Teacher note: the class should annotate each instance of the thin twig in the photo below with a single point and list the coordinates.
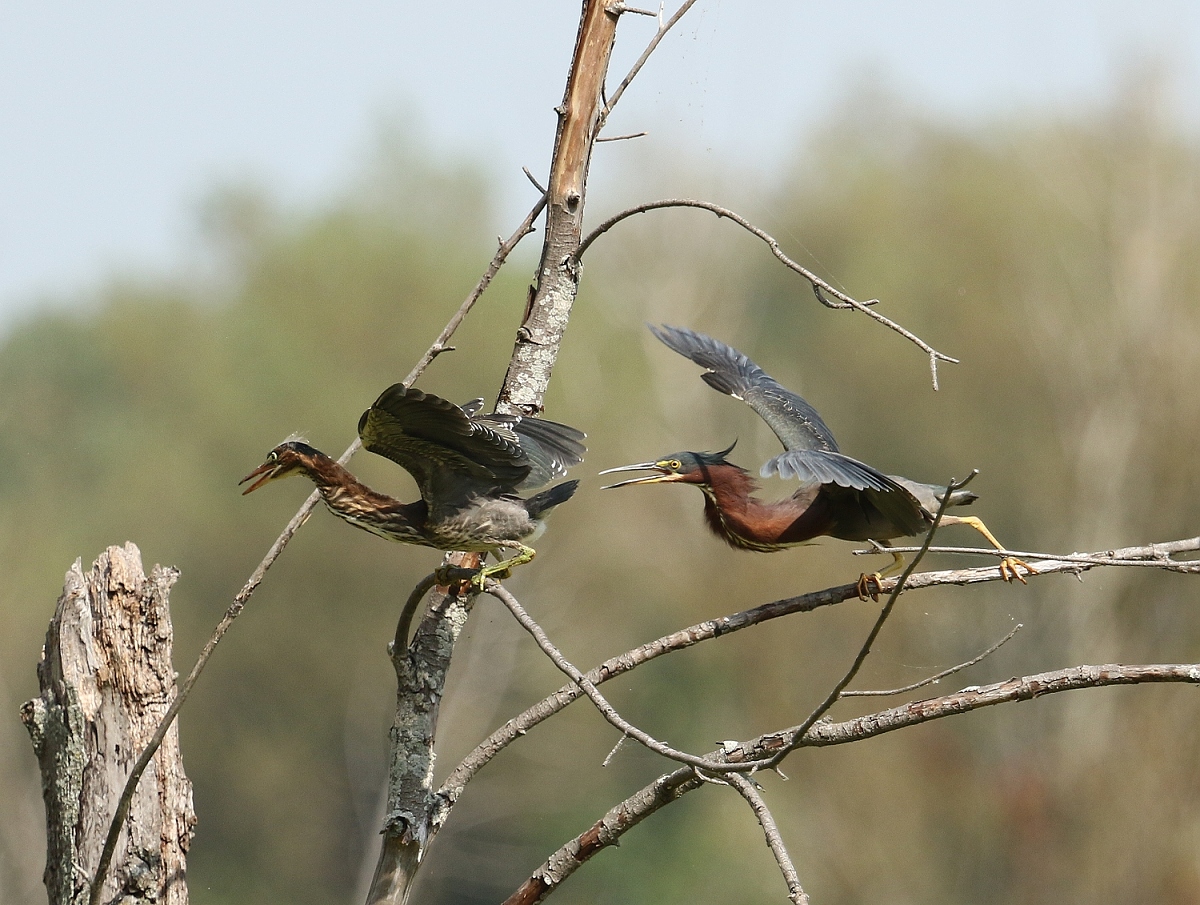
(301, 516)
(663, 28)
(933, 680)
(623, 137)
(820, 287)
(537, 185)
(615, 749)
(1155, 556)
(834, 695)
(748, 791)
(622, 8)
(606, 709)
(973, 697)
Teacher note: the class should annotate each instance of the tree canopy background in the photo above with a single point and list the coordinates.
(1055, 257)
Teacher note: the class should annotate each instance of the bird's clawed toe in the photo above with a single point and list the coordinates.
(1010, 568)
(870, 586)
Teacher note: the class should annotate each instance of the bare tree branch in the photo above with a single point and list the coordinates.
(671, 786)
(865, 650)
(663, 28)
(973, 697)
(749, 791)
(606, 709)
(933, 680)
(622, 137)
(820, 287)
(1154, 556)
(604, 832)
(519, 725)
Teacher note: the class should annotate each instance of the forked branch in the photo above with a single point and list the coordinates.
(749, 791)
(672, 786)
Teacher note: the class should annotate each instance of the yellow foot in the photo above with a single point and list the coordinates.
(499, 572)
(1010, 566)
(870, 586)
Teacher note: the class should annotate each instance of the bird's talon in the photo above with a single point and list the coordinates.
(1010, 568)
(865, 583)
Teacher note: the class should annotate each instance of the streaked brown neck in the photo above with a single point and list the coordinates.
(355, 502)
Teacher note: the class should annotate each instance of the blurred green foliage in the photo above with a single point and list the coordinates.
(1056, 258)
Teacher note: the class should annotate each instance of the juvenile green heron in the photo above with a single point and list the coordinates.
(838, 496)
(468, 467)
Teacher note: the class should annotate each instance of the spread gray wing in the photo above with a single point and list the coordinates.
(885, 507)
(794, 421)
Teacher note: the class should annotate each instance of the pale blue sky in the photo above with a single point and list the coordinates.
(118, 117)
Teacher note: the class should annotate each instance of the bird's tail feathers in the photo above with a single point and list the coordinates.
(541, 503)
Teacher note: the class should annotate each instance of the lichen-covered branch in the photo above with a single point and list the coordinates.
(557, 280)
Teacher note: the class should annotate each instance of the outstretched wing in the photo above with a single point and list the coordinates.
(867, 503)
(451, 456)
(794, 421)
(550, 448)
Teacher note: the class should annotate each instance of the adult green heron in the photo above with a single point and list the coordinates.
(468, 467)
(838, 496)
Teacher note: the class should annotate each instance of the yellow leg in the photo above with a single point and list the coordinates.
(1010, 565)
(502, 570)
(866, 581)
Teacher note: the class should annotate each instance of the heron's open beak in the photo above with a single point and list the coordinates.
(661, 475)
(268, 471)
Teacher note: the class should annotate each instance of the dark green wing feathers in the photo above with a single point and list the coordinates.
(454, 454)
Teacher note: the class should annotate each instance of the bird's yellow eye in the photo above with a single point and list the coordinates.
(273, 457)
(674, 465)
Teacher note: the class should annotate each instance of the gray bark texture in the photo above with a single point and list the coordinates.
(106, 679)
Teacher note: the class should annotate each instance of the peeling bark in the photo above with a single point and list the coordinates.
(106, 680)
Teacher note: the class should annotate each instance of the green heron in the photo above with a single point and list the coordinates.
(468, 467)
(838, 496)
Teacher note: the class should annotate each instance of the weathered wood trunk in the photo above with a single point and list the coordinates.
(106, 680)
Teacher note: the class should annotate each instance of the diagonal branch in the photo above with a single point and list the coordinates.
(754, 798)
(865, 651)
(606, 831)
(934, 679)
(663, 28)
(820, 287)
(606, 709)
